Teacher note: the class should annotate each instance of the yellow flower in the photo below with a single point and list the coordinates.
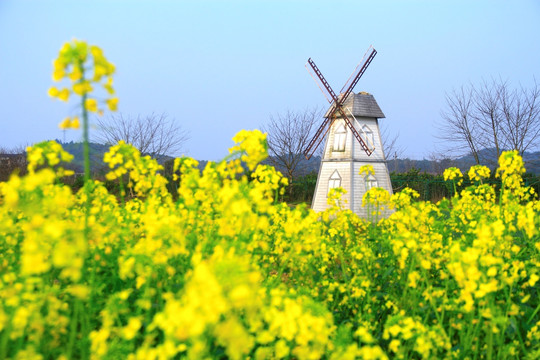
(76, 74)
(108, 85)
(282, 350)
(511, 167)
(76, 59)
(478, 172)
(404, 198)
(413, 278)
(378, 198)
(112, 103)
(63, 94)
(70, 123)
(394, 345)
(75, 124)
(96, 51)
(426, 264)
(79, 291)
(53, 91)
(65, 124)
(58, 72)
(252, 145)
(91, 105)
(131, 329)
(99, 72)
(367, 170)
(82, 88)
(453, 173)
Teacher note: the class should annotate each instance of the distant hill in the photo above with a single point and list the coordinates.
(97, 151)
(487, 157)
(304, 167)
(96, 156)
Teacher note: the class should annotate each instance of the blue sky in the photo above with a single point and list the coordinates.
(217, 67)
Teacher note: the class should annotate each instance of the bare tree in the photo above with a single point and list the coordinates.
(460, 129)
(288, 135)
(487, 114)
(520, 112)
(492, 117)
(156, 135)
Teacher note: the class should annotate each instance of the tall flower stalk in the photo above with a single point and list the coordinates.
(83, 66)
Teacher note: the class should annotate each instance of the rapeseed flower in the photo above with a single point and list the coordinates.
(367, 170)
(91, 105)
(453, 173)
(70, 123)
(478, 172)
(211, 265)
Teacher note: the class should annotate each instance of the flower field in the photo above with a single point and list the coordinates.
(225, 271)
(221, 269)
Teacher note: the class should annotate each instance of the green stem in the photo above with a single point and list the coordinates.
(73, 329)
(86, 145)
(4, 341)
(277, 279)
(490, 342)
(534, 313)
(122, 191)
(344, 272)
(86, 154)
(472, 333)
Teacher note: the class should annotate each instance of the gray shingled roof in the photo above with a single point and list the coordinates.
(363, 104)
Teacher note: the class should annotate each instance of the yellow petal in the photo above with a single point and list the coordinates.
(113, 103)
(65, 124)
(63, 94)
(75, 124)
(91, 105)
(58, 74)
(53, 92)
(76, 74)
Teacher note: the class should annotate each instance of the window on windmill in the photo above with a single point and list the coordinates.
(371, 182)
(367, 136)
(334, 181)
(340, 135)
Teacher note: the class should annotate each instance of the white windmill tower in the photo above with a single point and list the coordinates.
(353, 140)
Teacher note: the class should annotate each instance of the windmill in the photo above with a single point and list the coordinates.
(351, 119)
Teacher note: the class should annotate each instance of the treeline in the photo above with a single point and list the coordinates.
(431, 187)
(424, 176)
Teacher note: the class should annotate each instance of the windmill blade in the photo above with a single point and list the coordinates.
(337, 102)
(329, 94)
(317, 138)
(370, 144)
(358, 72)
(326, 89)
(354, 131)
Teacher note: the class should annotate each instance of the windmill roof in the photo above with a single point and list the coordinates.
(362, 104)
